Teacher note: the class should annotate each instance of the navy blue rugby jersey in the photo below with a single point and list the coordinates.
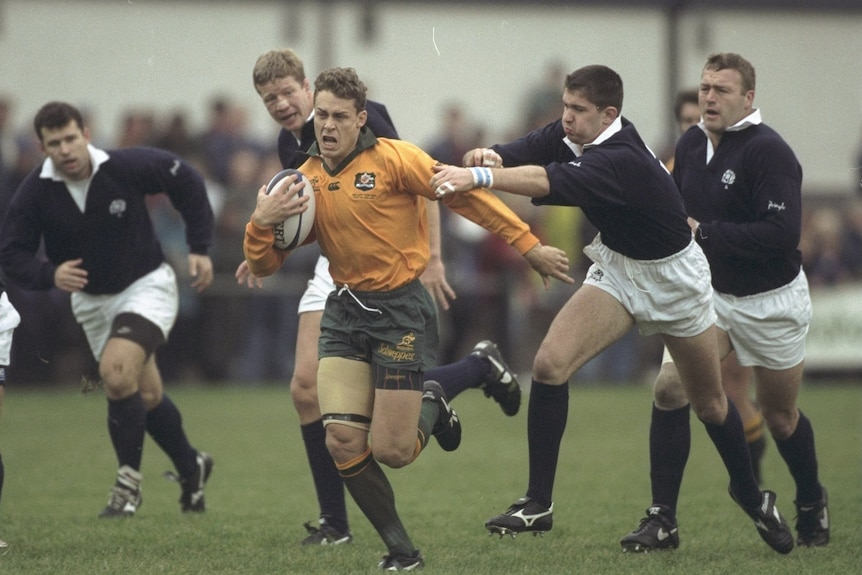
(292, 153)
(748, 200)
(622, 188)
(114, 235)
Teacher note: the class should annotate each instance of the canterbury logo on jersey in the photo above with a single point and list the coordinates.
(365, 181)
(334, 186)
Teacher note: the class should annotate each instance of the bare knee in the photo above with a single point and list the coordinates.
(668, 392)
(781, 422)
(393, 455)
(548, 368)
(712, 410)
(119, 378)
(152, 398)
(345, 443)
(303, 393)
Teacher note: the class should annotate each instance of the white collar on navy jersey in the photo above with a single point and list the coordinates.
(615, 127)
(97, 158)
(753, 119)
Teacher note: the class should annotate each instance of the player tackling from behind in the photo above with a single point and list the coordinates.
(88, 207)
(379, 328)
(280, 81)
(647, 271)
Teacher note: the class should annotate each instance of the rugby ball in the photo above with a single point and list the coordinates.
(290, 233)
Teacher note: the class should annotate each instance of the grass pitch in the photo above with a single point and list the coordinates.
(59, 467)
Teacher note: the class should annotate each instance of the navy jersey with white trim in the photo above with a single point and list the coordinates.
(114, 236)
(748, 200)
(622, 188)
(292, 153)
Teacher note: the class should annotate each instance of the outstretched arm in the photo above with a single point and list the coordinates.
(530, 181)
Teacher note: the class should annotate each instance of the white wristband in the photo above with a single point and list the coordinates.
(482, 177)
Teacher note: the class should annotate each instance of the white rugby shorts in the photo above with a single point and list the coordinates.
(154, 296)
(319, 288)
(672, 295)
(9, 320)
(768, 329)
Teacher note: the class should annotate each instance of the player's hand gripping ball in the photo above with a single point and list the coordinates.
(292, 232)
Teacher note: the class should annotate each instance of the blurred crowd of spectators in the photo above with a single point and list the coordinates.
(232, 334)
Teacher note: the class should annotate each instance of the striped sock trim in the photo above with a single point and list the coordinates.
(356, 465)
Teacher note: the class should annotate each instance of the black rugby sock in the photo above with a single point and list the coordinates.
(327, 482)
(126, 426)
(547, 415)
(165, 426)
(669, 447)
(373, 494)
(729, 439)
(799, 454)
(464, 374)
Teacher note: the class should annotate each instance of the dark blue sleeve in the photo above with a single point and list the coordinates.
(184, 186)
(20, 238)
(540, 147)
(287, 148)
(774, 179)
(379, 121)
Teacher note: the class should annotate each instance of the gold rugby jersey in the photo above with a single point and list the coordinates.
(370, 217)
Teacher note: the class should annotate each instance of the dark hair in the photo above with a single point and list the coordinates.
(731, 61)
(56, 115)
(684, 97)
(343, 83)
(598, 84)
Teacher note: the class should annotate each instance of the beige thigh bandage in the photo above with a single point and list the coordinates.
(345, 392)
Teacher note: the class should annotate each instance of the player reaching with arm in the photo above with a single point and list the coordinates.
(379, 328)
(647, 271)
(280, 81)
(88, 206)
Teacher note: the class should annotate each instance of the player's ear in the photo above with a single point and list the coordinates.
(362, 117)
(609, 114)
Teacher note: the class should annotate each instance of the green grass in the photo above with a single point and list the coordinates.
(59, 466)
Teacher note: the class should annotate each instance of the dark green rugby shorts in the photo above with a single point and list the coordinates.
(395, 331)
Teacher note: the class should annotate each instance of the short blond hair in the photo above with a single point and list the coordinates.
(278, 64)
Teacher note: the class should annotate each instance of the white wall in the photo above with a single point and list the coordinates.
(113, 55)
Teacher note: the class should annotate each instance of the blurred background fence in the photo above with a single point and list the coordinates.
(177, 74)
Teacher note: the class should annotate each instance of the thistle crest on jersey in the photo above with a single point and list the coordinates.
(117, 208)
